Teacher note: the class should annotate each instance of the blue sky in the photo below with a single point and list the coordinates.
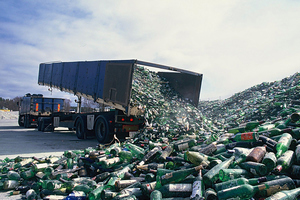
(235, 44)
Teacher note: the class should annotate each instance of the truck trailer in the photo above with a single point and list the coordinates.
(108, 82)
(34, 106)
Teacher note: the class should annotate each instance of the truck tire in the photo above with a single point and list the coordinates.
(42, 125)
(26, 121)
(102, 130)
(39, 124)
(80, 128)
(20, 120)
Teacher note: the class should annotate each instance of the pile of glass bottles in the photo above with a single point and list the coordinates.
(245, 147)
(166, 113)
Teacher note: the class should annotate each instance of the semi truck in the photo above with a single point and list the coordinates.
(109, 83)
(34, 106)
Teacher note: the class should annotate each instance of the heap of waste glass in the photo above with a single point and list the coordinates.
(241, 148)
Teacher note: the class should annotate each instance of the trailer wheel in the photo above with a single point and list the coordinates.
(42, 125)
(102, 130)
(80, 128)
(39, 124)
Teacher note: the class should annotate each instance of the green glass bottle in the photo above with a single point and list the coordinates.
(149, 166)
(265, 127)
(120, 173)
(53, 185)
(242, 192)
(248, 191)
(69, 185)
(198, 187)
(28, 174)
(283, 144)
(108, 150)
(240, 155)
(249, 137)
(152, 154)
(12, 175)
(178, 175)
(70, 163)
(126, 156)
(135, 150)
(252, 125)
(196, 158)
(95, 194)
(211, 138)
(10, 184)
(101, 177)
(156, 195)
(147, 188)
(270, 143)
(176, 190)
(296, 133)
(213, 174)
(257, 169)
(284, 161)
(83, 187)
(24, 162)
(297, 153)
(277, 185)
(156, 144)
(31, 195)
(209, 149)
(149, 177)
(237, 130)
(40, 167)
(165, 153)
(105, 194)
(285, 195)
(115, 151)
(274, 132)
(270, 161)
(283, 123)
(242, 181)
(227, 174)
(185, 144)
(109, 163)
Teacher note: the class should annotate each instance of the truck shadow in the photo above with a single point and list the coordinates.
(11, 127)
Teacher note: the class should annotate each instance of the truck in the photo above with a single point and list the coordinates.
(109, 83)
(34, 106)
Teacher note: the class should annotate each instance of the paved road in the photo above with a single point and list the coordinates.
(17, 141)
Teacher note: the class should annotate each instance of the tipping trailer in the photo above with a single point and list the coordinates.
(108, 82)
(34, 106)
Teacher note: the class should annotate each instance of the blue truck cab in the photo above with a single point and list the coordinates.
(34, 106)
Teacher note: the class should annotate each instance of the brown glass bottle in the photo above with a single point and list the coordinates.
(257, 154)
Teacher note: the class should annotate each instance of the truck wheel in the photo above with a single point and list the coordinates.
(102, 131)
(42, 125)
(26, 122)
(39, 125)
(80, 128)
(20, 121)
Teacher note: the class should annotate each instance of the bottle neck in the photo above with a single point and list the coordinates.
(255, 181)
(279, 153)
(278, 168)
(260, 187)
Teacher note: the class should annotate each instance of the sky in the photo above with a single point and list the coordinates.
(235, 44)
